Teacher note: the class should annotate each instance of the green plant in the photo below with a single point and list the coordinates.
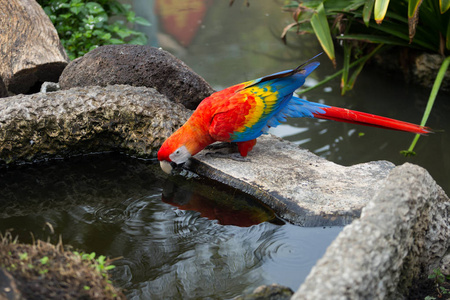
(84, 25)
(433, 94)
(440, 280)
(44, 260)
(423, 25)
(417, 24)
(101, 264)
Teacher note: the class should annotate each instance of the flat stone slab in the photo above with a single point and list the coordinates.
(300, 186)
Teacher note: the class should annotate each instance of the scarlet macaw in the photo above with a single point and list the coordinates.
(243, 112)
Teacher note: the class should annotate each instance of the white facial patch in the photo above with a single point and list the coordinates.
(181, 155)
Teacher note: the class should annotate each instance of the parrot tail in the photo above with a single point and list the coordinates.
(356, 117)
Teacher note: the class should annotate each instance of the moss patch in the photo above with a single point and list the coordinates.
(46, 271)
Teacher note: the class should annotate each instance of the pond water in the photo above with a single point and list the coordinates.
(178, 238)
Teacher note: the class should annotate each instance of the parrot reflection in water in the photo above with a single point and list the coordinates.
(241, 113)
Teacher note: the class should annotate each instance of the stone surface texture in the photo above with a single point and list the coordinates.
(137, 66)
(300, 186)
(404, 230)
(134, 120)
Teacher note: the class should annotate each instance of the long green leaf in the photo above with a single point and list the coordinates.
(380, 10)
(367, 11)
(346, 67)
(321, 28)
(394, 30)
(413, 7)
(434, 91)
(413, 17)
(375, 39)
(444, 5)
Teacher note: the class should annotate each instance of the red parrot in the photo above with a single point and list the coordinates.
(243, 112)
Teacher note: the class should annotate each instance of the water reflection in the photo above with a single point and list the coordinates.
(113, 205)
(227, 206)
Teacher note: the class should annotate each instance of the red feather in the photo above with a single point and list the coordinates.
(357, 117)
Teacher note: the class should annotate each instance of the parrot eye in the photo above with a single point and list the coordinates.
(181, 155)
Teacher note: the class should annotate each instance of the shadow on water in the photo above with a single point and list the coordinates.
(178, 238)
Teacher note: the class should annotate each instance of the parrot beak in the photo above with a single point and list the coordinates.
(167, 167)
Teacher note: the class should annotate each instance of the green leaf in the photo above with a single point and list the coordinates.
(321, 28)
(123, 33)
(139, 40)
(131, 16)
(106, 36)
(367, 11)
(76, 9)
(94, 8)
(346, 67)
(44, 260)
(380, 10)
(444, 5)
(101, 259)
(142, 21)
(116, 42)
(434, 91)
(376, 39)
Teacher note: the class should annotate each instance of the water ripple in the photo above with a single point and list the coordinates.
(111, 215)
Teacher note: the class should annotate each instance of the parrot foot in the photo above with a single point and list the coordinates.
(221, 145)
(233, 156)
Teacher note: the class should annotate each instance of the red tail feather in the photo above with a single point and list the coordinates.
(356, 117)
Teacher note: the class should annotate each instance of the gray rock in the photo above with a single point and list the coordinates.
(403, 230)
(425, 69)
(300, 186)
(84, 120)
(48, 86)
(137, 66)
(268, 292)
(8, 286)
(445, 265)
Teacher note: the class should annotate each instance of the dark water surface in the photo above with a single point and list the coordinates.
(179, 238)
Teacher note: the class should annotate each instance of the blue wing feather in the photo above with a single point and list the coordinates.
(283, 85)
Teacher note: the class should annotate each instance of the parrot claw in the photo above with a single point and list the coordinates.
(233, 156)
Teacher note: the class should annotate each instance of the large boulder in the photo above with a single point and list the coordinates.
(30, 49)
(403, 231)
(135, 120)
(137, 66)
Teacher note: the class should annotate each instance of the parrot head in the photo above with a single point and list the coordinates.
(171, 155)
(180, 146)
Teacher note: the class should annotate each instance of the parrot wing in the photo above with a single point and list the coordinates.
(257, 105)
